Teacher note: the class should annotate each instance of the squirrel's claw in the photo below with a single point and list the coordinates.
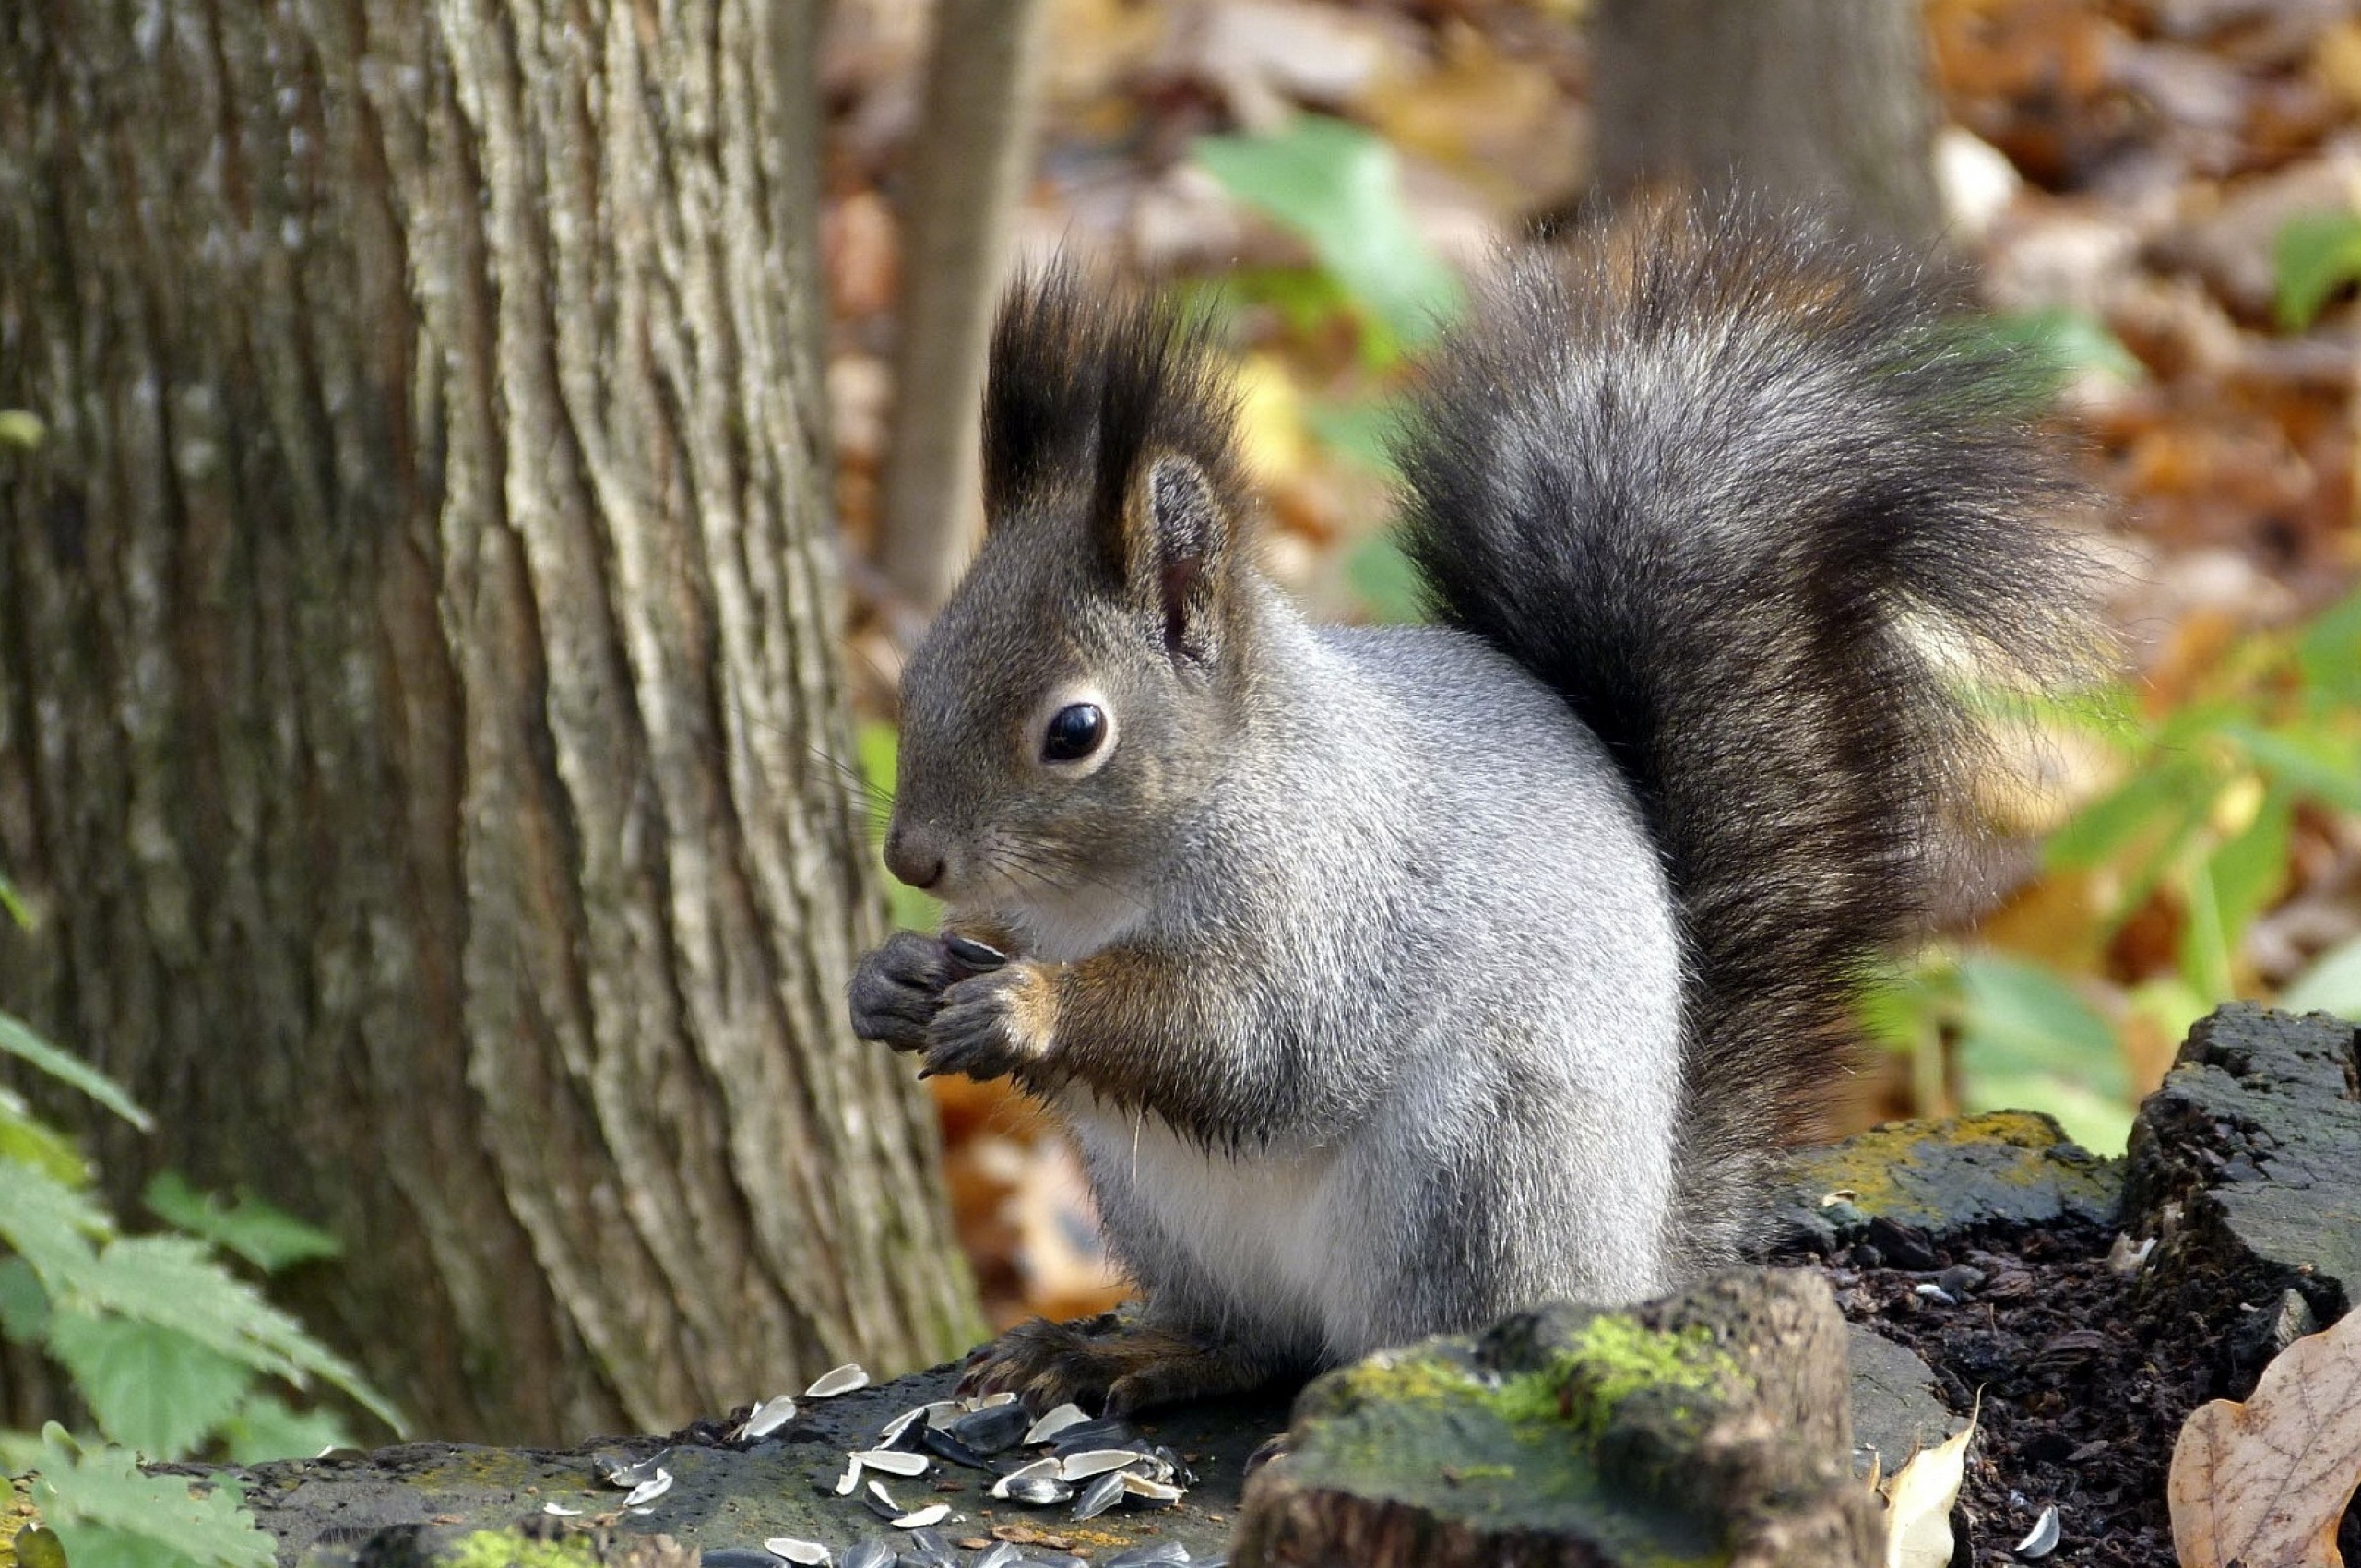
(1126, 1370)
(993, 1025)
(897, 988)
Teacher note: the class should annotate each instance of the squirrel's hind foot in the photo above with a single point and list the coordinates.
(1121, 1367)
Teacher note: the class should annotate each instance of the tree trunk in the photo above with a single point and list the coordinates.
(419, 713)
(1819, 103)
(969, 166)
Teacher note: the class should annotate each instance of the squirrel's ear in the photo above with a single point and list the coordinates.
(1179, 539)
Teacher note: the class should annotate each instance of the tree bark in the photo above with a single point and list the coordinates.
(968, 167)
(1818, 103)
(419, 717)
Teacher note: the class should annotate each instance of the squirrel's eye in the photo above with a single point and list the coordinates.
(1075, 733)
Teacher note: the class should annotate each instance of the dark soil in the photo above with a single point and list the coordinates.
(2085, 1376)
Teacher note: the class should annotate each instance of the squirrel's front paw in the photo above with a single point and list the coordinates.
(993, 1025)
(897, 988)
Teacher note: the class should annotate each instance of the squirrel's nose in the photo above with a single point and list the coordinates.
(911, 857)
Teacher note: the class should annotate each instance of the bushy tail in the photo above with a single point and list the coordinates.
(1763, 509)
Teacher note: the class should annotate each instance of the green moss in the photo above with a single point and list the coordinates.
(1418, 1376)
(1611, 1358)
(510, 1548)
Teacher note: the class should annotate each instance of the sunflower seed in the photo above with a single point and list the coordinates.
(944, 1445)
(2043, 1538)
(933, 1514)
(620, 1470)
(1149, 1487)
(1150, 1554)
(881, 1503)
(875, 1552)
(893, 1461)
(809, 1553)
(992, 1430)
(767, 1417)
(559, 1510)
(1173, 1469)
(890, 1434)
(650, 1489)
(1049, 1468)
(1098, 1461)
(1000, 1554)
(838, 1379)
(973, 954)
(1054, 1422)
(1105, 1432)
(1039, 1491)
(738, 1557)
(1103, 1495)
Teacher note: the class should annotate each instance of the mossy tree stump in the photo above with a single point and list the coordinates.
(1710, 1426)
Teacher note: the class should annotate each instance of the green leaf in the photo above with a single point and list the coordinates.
(2248, 869)
(20, 1041)
(1389, 587)
(1360, 433)
(2097, 1122)
(1340, 189)
(172, 1282)
(2018, 1018)
(266, 1237)
(2330, 653)
(13, 903)
(2318, 254)
(30, 1142)
(2204, 942)
(149, 1388)
(24, 1305)
(880, 749)
(112, 1514)
(265, 1426)
(22, 429)
(2331, 985)
(2157, 800)
(50, 1225)
(2062, 342)
(2325, 766)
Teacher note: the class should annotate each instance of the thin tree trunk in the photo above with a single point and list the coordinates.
(1820, 103)
(416, 682)
(968, 174)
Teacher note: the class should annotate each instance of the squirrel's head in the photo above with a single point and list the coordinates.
(1081, 688)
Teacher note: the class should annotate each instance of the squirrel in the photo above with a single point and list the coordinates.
(1391, 980)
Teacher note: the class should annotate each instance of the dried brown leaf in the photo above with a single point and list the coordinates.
(2263, 1484)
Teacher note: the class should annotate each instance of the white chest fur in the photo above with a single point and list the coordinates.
(1266, 1235)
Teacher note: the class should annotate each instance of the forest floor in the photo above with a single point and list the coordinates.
(2124, 168)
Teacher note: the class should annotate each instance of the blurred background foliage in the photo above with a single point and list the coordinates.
(2163, 202)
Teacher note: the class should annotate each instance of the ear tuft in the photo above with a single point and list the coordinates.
(1090, 389)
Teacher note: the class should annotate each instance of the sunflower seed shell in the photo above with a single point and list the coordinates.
(838, 1379)
(767, 1417)
(1054, 1422)
(650, 1489)
(1101, 1495)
